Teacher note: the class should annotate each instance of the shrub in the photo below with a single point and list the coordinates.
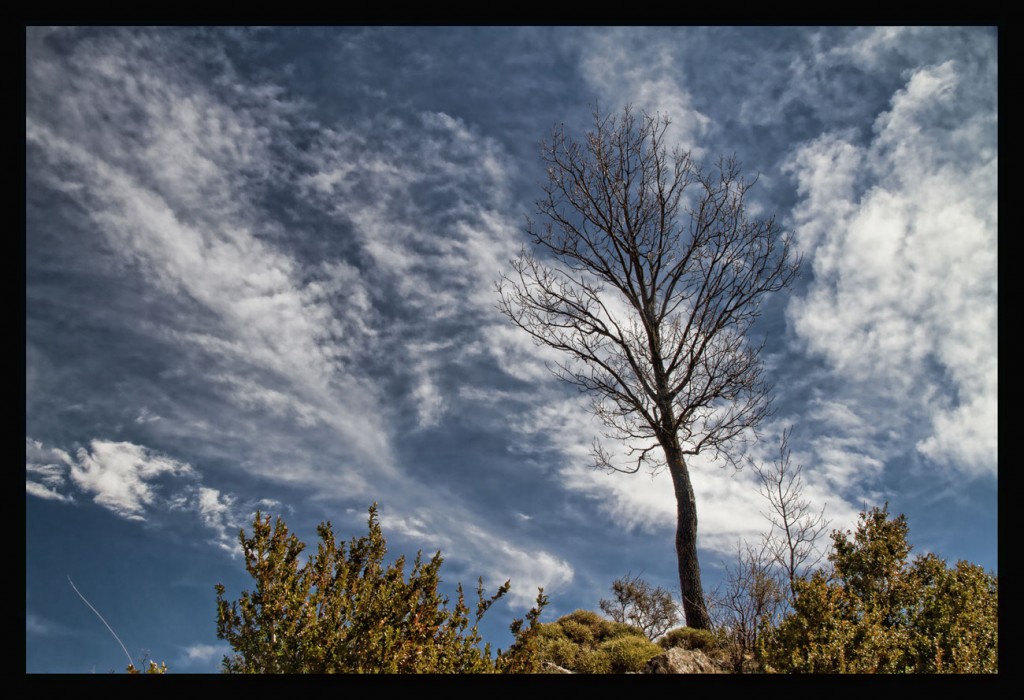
(592, 661)
(578, 632)
(343, 611)
(562, 652)
(611, 630)
(585, 642)
(629, 654)
(587, 618)
(883, 615)
(690, 638)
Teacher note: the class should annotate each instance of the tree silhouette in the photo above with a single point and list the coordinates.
(653, 274)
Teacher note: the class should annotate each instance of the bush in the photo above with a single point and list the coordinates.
(629, 654)
(587, 618)
(343, 611)
(611, 630)
(690, 638)
(578, 632)
(592, 661)
(585, 642)
(562, 652)
(882, 615)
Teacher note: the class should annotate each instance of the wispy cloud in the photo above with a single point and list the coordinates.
(481, 548)
(146, 416)
(447, 179)
(36, 625)
(217, 512)
(626, 67)
(46, 471)
(171, 173)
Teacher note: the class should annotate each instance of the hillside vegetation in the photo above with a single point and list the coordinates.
(869, 610)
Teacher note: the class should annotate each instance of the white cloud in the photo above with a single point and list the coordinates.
(416, 526)
(205, 652)
(447, 178)
(51, 494)
(528, 570)
(905, 265)
(866, 46)
(430, 403)
(120, 475)
(201, 653)
(837, 416)
(37, 625)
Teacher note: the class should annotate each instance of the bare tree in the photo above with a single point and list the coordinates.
(795, 525)
(656, 274)
(651, 609)
(750, 598)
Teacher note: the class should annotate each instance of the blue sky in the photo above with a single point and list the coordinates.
(260, 274)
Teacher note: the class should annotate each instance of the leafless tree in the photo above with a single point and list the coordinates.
(651, 277)
(795, 525)
(749, 598)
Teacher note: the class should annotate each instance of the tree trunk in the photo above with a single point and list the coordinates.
(686, 542)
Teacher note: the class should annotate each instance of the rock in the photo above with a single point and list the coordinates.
(678, 660)
(548, 667)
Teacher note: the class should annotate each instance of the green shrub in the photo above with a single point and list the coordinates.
(591, 661)
(612, 630)
(580, 633)
(690, 638)
(587, 618)
(562, 652)
(629, 654)
(585, 642)
(343, 611)
(879, 614)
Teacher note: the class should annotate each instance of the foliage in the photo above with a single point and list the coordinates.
(343, 611)
(584, 642)
(955, 617)
(524, 654)
(879, 614)
(650, 273)
(150, 666)
(636, 603)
